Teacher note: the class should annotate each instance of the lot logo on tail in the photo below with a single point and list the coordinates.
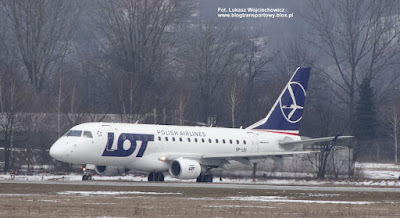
(292, 102)
(287, 112)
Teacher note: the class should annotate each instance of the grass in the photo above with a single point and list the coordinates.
(33, 200)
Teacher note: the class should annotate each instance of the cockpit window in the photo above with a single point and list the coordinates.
(76, 133)
(87, 134)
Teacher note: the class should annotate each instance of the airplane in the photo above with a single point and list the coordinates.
(189, 152)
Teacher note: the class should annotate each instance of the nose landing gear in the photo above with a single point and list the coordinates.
(86, 177)
(86, 174)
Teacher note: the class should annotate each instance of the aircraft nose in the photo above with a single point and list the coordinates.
(57, 151)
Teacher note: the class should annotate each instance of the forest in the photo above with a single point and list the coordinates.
(63, 63)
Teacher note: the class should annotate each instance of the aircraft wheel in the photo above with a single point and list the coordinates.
(150, 178)
(205, 178)
(156, 177)
(200, 178)
(208, 178)
(84, 177)
(159, 177)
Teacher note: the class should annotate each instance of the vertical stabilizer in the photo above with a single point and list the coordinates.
(287, 112)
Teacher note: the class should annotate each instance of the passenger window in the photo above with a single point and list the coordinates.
(180, 139)
(188, 139)
(237, 141)
(202, 140)
(159, 138)
(230, 141)
(216, 140)
(209, 140)
(76, 133)
(166, 139)
(173, 138)
(223, 141)
(244, 141)
(195, 139)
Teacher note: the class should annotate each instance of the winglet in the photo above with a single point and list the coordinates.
(330, 145)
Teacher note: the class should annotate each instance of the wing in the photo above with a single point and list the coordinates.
(218, 160)
(231, 156)
(254, 155)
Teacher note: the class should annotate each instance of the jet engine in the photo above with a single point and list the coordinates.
(185, 169)
(109, 170)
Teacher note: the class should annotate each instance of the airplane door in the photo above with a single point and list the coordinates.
(253, 141)
(108, 128)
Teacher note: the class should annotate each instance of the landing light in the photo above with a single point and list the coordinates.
(163, 158)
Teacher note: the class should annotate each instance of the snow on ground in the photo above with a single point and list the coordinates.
(89, 193)
(379, 170)
(377, 166)
(286, 200)
(374, 174)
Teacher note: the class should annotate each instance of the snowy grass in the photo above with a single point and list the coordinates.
(377, 166)
(279, 199)
(375, 174)
(90, 193)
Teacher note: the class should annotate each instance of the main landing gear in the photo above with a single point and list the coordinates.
(206, 177)
(155, 177)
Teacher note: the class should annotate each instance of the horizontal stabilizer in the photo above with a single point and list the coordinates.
(312, 141)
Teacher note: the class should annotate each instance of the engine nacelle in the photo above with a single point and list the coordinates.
(185, 169)
(109, 170)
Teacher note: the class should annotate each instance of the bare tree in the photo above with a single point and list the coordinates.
(10, 104)
(34, 133)
(10, 93)
(127, 96)
(255, 58)
(234, 99)
(181, 99)
(208, 55)
(394, 123)
(391, 113)
(134, 36)
(59, 98)
(360, 39)
(319, 161)
(42, 30)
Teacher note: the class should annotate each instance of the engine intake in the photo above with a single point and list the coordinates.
(185, 169)
(109, 170)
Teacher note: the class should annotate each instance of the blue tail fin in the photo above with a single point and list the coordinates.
(287, 112)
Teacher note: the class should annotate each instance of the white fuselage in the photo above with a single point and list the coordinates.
(120, 144)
